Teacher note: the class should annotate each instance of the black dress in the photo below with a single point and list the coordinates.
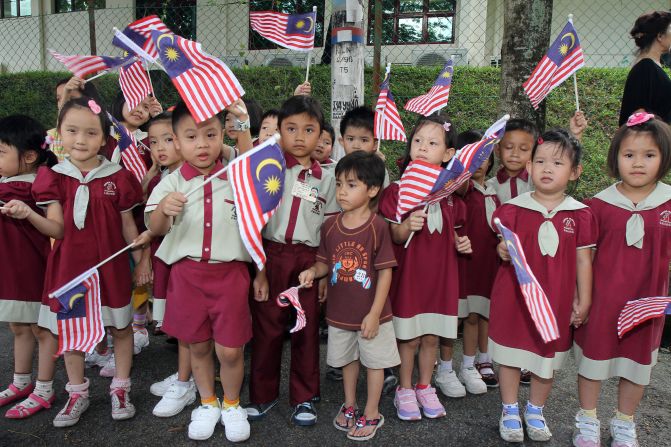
(648, 87)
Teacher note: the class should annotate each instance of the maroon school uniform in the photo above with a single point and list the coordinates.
(513, 338)
(624, 272)
(92, 232)
(477, 270)
(424, 293)
(24, 256)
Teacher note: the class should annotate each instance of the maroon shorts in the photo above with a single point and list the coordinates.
(208, 301)
(161, 276)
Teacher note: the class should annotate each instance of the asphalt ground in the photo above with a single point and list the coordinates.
(470, 421)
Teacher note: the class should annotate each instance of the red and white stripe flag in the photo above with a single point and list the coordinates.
(388, 124)
(290, 297)
(293, 31)
(534, 296)
(205, 83)
(79, 320)
(82, 66)
(437, 97)
(135, 84)
(139, 33)
(130, 153)
(417, 182)
(637, 311)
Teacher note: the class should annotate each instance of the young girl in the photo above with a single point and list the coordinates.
(89, 202)
(555, 232)
(631, 261)
(425, 290)
(25, 250)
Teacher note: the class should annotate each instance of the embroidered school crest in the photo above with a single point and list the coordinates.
(569, 225)
(109, 188)
(665, 218)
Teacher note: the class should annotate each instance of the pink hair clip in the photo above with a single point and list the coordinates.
(540, 141)
(639, 118)
(447, 126)
(95, 108)
(48, 141)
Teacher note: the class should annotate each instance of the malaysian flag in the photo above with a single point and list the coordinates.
(564, 58)
(139, 33)
(82, 66)
(257, 179)
(293, 31)
(534, 297)
(79, 320)
(130, 154)
(290, 297)
(437, 97)
(637, 311)
(135, 84)
(388, 125)
(205, 83)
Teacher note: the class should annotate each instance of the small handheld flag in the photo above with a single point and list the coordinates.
(205, 83)
(638, 311)
(79, 320)
(135, 84)
(139, 35)
(437, 97)
(534, 297)
(130, 154)
(82, 66)
(257, 179)
(388, 124)
(293, 31)
(290, 297)
(564, 58)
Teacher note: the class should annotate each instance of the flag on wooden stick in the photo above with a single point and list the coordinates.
(293, 31)
(437, 96)
(388, 124)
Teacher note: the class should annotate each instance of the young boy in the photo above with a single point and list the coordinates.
(356, 252)
(325, 146)
(291, 239)
(207, 298)
(268, 125)
(357, 134)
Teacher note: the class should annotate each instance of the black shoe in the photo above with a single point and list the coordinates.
(256, 412)
(304, 414)
(525, 377)
(390, 381)
(334, 374)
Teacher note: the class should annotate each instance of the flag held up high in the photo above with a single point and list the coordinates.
(135, 83)
(139, 34)
(388, 124)
(205, 83)
(437, 96)
(257, 179)
(534, 296)
(564, 58)
(82, 66)
(293, 31)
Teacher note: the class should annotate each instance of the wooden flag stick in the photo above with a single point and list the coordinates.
(426, 207)
(307, 72)
(575, 79)
(104, 72)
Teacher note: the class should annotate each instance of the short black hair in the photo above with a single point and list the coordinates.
(300, 104)
(472, 136)
(359, 117)
(328, 128)
(566, 142)
(658, 130)
(161, 117)
(116, 110)
(83, 103)
(26, 134)
(270, 113)
(524, 126)
(368, 167)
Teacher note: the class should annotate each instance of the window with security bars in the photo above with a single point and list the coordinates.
(178, 15)
(77, 5)
(414, 21)
(14, 8)
(257, 42)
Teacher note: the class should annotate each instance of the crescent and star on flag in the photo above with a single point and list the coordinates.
(271, 184)
(564, 48)
(301, 24)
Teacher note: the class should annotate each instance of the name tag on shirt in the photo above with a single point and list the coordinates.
(304, 191)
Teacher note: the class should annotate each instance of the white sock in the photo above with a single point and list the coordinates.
(484, 357)
(182, 384)
(445, 365)
(43, 389)
(468, 361)
(21, 380)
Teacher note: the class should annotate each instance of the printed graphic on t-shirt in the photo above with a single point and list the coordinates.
(350, 264)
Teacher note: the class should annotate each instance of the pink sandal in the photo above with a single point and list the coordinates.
(18, 411)
(18, 394)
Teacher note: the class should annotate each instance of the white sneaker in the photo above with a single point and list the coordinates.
(140, 340)
(175, 399)
(449, 384)
(96, 359)
(623, 433)
(160, 388)
(203, 421)
(234, 420)
(587, 432)
(473, 380)
(109, 370)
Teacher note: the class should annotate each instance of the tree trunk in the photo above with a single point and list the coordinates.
(92, 26)
(526, 38)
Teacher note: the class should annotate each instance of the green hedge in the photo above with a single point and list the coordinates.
(473, 101)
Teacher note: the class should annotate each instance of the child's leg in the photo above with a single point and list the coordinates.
(407, 349)
(232, 372)
(350, 376)
(540, 390)
(47, 347)
(183, 361)
(123, 351)
(24, 345)
(74, 366)
(427, 358)
(509, 378)
(510, 424)
(77, 388)
(471, 332)
(483, 334)
(629, 397)
(588, 393)
(202, 366)
(446, 352)
(375, 379)
(533, 414)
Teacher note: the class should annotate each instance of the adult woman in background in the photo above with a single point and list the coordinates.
(648, 87)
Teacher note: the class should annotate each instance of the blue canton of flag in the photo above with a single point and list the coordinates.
(130, 154)
(301, 23)
(173, 58)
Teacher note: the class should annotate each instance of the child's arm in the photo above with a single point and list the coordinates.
(502, 250)
(260, 285)
(130, 234)
(578, 124)
(584, 279)
(463, 244)
(307, 277)
(401, 232)
(239, 111)
(51, 225)
(160, 220)
(303, 89)
(371, 322)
